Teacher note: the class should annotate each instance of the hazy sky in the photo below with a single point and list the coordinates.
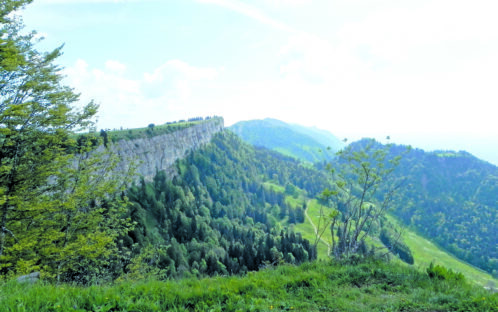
(424, 72)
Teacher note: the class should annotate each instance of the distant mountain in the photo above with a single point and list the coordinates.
(304, 143)
(452, 199)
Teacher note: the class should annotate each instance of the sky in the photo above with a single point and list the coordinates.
(423, 72)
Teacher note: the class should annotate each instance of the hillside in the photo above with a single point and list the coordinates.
(186, 216)
(307, 144)
(217, 214)
(453, 199)
(450, 198)
(254, 184)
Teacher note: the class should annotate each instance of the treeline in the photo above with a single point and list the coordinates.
(152, 130)
(192, 119)
(216, 216)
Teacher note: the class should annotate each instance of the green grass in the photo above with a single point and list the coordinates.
(314, 213)
(274, 187)
(294, 202)
(307, 231)
(424, 252)
(317, 286)
(285, 152)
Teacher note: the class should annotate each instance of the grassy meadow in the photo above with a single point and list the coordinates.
(317, 286)
(424, 251)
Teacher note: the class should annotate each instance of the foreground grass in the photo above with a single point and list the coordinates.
(318, 286)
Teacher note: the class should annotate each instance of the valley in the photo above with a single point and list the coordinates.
(262, 215)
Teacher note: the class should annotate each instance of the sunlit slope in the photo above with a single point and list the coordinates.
(424, 252)
(306, 144)
(450, 198)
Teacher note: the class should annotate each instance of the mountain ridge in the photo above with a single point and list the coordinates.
(154, 159)
(305, 143)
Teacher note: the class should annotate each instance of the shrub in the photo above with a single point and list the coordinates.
(442, 273)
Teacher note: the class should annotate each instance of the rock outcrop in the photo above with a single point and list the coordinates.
(158, 153)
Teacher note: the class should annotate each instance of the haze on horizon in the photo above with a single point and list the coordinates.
(422, 72)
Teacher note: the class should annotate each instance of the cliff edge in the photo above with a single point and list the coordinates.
(158, 153)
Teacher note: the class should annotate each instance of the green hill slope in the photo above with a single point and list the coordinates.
(308, 144)
(423, 250)
(218, 215)
(452, 199)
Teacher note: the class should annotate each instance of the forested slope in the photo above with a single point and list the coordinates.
(216, 216)
(452, 199)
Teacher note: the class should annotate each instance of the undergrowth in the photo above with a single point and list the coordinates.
(317, 286)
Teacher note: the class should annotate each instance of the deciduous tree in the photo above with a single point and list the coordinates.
(362, 192)
(58, 210)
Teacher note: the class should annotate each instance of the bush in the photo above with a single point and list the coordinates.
(396, 246)
(442, 273)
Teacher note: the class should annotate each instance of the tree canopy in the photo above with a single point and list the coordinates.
(55, 201)
(363, 189)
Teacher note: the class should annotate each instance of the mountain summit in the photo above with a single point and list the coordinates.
(305, 143)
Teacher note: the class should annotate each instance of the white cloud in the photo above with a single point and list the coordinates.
(428, 69)
(249, 11)
(180, 68)
(163, 95)
(115, 67)
(405, 69)
(289, 2)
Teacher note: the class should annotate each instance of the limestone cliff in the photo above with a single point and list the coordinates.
(160, 152)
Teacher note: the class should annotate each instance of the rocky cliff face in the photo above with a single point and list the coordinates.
(160, 152)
